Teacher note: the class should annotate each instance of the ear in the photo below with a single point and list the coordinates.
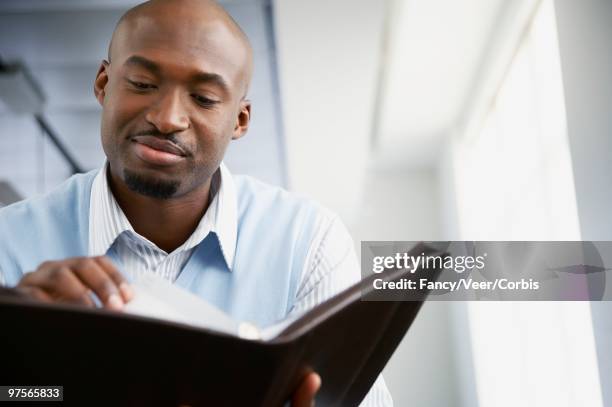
(243, 119)
(101, 82)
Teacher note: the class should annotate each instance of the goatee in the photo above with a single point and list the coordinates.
(153, 188)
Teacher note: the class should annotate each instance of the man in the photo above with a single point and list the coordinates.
(173, 94)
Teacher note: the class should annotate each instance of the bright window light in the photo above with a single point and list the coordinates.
(515, 182)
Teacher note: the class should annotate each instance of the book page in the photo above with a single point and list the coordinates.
(157, 298)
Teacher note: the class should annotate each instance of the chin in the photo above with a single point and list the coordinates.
(150, 186)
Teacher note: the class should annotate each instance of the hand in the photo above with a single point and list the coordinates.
(73, 280)
(305, 394)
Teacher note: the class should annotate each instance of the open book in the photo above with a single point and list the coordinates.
(162, 353)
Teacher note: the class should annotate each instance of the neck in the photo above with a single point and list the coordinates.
(166, 222)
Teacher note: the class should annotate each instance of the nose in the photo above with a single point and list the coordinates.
(168, 114)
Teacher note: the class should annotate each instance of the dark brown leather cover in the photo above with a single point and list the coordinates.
(107, 358)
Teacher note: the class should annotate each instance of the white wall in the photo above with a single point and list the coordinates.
(328, 55)
(398, 205)
(585, 32)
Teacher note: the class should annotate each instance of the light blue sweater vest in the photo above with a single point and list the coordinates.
(275, 231)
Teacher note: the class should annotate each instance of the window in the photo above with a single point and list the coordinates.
(514, 181)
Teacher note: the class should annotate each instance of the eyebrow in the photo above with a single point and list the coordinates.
(203, 77)
(137, 60)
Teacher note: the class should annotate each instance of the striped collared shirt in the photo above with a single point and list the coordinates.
(330, 266)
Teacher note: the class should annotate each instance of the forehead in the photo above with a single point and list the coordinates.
(183, 45)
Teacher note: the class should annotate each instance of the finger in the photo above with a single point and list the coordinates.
(305, 393)
(35, 293)
(124, 288)
(59, 283)
(33, 278)
(95, 277)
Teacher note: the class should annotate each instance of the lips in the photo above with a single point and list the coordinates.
(157, 151)
(159, 144)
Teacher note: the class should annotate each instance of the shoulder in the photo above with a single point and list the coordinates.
(262, 199)
(293, 217)
(73, 191)
(51, 226)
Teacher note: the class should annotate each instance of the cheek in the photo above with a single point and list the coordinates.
(213, 135)
(119, 111)
(123, 108)
(210, 150)
(107, 132)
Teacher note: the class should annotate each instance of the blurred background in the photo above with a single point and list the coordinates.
(414, 120)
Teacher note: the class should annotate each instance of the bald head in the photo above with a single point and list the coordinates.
(193, 25)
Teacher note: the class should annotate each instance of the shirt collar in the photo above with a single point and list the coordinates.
(107, 220)
(226, 223)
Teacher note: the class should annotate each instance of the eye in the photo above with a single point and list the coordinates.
(141, 85)
(203, 100)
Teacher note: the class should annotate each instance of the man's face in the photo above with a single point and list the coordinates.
(172, 98)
